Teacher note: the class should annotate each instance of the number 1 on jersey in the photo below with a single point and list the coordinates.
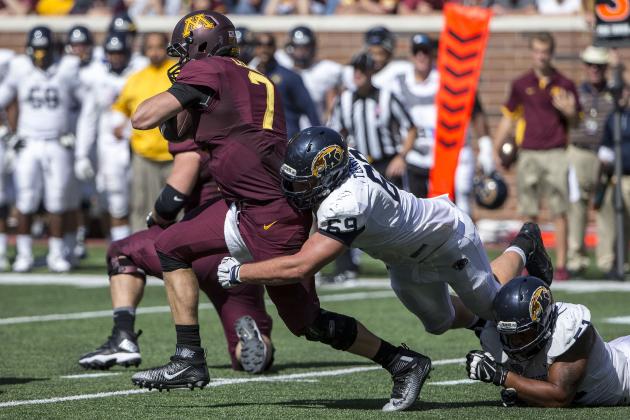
(257, 79)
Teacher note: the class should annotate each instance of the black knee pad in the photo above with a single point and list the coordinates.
(337, 330)
(169, 263)
(123, 265)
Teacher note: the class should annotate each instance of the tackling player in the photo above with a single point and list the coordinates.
(237, 118)
(427, 244)
(45, 91)
(549, 354)
(246, 325)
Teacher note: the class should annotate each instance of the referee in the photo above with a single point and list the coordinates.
(371, 120)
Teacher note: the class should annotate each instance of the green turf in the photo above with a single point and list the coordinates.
(33, 356)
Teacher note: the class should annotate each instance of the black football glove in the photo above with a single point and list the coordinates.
(481, 366)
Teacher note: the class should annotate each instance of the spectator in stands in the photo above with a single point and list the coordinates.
(546, 102)
(597, 103)
(295, 98)
(420, 7)
(151, 161)
(248, 7)
(606, 255)
(559, 7)
(374, 7)
(211, 5)
(287, 7)
(502, 7)
(16, 7)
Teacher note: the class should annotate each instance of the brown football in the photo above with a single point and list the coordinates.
(186, 126)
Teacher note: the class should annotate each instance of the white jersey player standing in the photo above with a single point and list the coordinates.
(322, 78)
(45, 91)
(548, 353)
(428, 244)
(417, 89)
(98, 123)
(5, 165)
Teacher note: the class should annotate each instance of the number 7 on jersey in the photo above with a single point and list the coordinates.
(257, 79)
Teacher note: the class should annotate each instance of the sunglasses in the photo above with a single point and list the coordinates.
(599, 66)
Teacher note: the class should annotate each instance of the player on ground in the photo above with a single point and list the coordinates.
(238, 120)
(97, 123)
(427, 244)
(45, 91)
(549, 354)
(246, 325)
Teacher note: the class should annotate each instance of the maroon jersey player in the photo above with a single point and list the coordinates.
(246, 324)
(237, 119)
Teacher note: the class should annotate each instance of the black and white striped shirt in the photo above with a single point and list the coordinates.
(372, 123)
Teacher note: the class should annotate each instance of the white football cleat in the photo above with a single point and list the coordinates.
(23, 263)
(58, 264)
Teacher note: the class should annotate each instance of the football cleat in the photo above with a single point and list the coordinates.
(253, 348)
(121, 348)
(538, 262)
(23, 263)
(409, 370)
(58, 264)
(187, 369)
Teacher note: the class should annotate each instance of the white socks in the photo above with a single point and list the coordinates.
(519, 251)
(24, 245)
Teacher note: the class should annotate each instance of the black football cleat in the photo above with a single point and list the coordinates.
(187, 369)
(538, 264)
(121, 348)
(409, 370)
(253, 348)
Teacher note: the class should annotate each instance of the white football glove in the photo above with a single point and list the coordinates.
(486, 155)
(481, 366)
(83, 169)
(228, 272)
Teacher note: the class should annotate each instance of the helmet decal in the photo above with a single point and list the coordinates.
(540, 295)
(195, 22)
(326, 159)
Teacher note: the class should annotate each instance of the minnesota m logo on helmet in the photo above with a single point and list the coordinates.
(195, 22)
(327, 159)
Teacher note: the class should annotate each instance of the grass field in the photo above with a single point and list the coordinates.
(309, 380)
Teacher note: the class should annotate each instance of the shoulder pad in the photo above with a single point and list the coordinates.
(571, 323)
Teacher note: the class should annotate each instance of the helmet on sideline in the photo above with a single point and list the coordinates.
(122, 23)
(117, 43)
(525, 313)
(382, 37)
(491, 191)
(39, 46)
(246, 43)
(316, 161)
(201, 34)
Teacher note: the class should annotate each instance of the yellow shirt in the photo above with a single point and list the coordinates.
(54, 7)
(140, 86)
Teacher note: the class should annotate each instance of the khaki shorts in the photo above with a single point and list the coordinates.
(542, 173)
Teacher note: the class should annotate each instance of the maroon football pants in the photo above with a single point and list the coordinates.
(229, 304)
(270, 230)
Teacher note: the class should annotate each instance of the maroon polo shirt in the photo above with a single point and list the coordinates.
(541, 126)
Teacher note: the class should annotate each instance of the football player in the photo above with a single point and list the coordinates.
(380, 42)
(236, 117)
(6, 164)
(45, 90)
(98, 123)
(246, 325)
(322, 78)
(427, 244)
(549, 354)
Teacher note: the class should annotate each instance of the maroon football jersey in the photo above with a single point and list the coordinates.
(242, 128)
(205, 188)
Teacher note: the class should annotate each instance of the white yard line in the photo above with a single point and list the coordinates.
(165, 309)
(90, 375)
(308, 377)
(624, 320)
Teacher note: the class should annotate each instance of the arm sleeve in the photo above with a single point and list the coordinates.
(191, 96)
(87, 125)
(399, 113)
(8, 88)
(305, 102)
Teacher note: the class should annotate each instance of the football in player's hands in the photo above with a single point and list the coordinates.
(179, 128)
